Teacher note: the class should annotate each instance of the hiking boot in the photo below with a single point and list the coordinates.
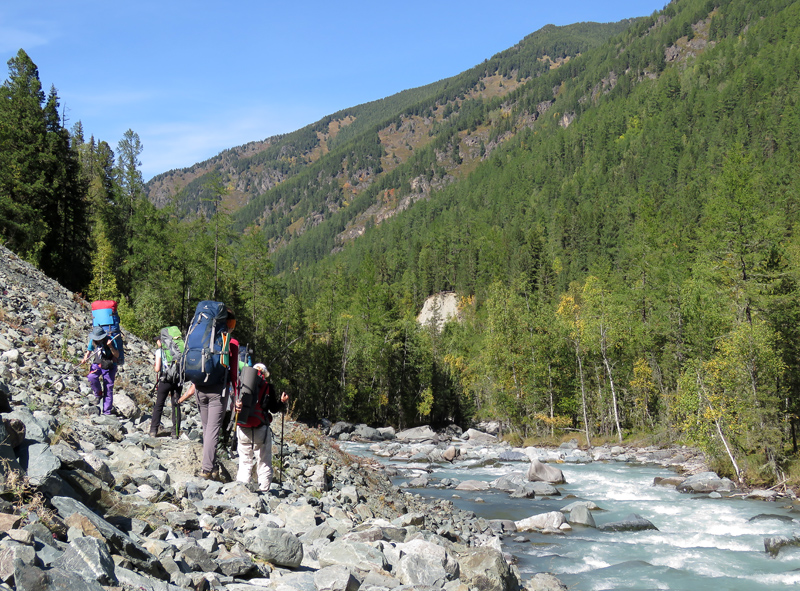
(205, 475)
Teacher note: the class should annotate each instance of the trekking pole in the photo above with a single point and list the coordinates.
(280, 480)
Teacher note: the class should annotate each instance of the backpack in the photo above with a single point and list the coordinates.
(205, 357)
(244, 357)
(103, 356)
(249, 393)
(104, 315)
(172, 348)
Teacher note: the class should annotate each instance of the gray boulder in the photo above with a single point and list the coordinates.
(367, 432)
(773, 544)
(417, 434)
(544, 582)
(632, 522)
(33, 578)
(548, 522)
(340, 427)
(89, 558)
(475, 436)
(275, 545)
(539, 472)
(426, 563)
(357, 555)
(706, 482)
(115, 538)
(580, 515)
(486, 569)
(335, 578)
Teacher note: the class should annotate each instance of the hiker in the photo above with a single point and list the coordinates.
(103, 369)
(165, 388)
(254, 435)
(210, 391)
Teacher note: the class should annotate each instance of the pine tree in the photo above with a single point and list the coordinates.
(23, 179)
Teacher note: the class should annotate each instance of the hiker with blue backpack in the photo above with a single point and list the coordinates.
(207, 364)
(169, 349)
(103, 369)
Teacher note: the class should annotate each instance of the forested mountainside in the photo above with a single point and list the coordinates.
(620, 231)
(294, 182)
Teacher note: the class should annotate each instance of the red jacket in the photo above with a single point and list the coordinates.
(266, 403)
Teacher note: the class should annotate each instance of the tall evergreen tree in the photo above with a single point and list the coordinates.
(23, 178)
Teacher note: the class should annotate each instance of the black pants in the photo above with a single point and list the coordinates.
(174, 392)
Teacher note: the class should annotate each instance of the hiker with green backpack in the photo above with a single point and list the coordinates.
(169, 348)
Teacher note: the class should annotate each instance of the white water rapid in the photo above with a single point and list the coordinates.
(701, 543)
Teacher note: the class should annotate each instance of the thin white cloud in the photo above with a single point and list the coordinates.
(12, 40)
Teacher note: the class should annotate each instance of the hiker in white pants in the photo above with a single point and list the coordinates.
(254, 436)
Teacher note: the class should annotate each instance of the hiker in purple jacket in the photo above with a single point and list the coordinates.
(103, 369)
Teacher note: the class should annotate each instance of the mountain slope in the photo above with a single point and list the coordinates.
(333, 171)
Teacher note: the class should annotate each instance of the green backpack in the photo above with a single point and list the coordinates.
(172, 347)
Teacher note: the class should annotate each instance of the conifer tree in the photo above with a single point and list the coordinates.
(23, 187)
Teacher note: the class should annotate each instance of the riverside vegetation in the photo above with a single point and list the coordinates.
(614, 204)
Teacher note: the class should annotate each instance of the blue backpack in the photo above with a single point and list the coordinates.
(205, 357)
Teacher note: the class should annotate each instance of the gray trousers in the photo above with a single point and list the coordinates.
(211, 402)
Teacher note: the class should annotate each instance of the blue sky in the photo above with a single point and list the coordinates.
(194, 78)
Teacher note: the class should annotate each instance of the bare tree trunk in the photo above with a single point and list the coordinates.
(583, 395)
(613, 397)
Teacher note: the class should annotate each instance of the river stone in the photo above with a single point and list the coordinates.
(387, 432)
(276, 546)
(590, 505)
(352, 554)
(632, 522)
(90, 558)
(450, 454)
(527, 491)
(706, 482)
(340, 427)
(545, 582)
(539, 472)
(473, 485)
(510, 482)
(773, 544)
(543, 489)
(475, 436)
(367, 432)
(668, 481)
(335, 578)
(417, 434)
(512, 456)
(580, 516)
(547, 522)
(487, 570)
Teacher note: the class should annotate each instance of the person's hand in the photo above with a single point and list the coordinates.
(284, 398)
(237, 406)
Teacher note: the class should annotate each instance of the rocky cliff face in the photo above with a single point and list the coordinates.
(91, 502)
